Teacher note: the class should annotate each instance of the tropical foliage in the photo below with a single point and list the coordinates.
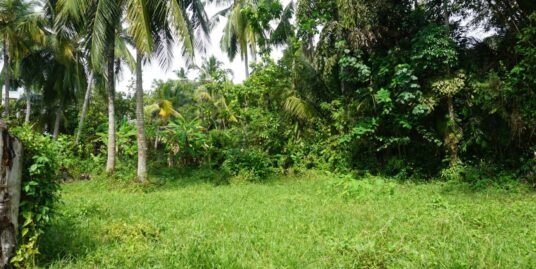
(384, 87)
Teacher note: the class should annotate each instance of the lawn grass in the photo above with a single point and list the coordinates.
(304, 221)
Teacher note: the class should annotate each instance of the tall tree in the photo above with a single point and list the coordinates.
(146, 20)
(238, 34)
(104, 20)
(248, 29)
(140, 121)
(85, 107)
(19, 31)
(163, 20)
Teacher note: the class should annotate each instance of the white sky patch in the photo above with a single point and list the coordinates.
(474, 31)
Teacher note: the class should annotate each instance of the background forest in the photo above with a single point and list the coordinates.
(382, 87)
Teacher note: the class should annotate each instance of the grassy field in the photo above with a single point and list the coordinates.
(310, 221)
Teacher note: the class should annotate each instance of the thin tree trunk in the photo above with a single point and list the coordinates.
(10, 189)
(7, 80)
(247, 63)
(446, 15)
(28, 106)
(254, 55)
(110, 163)
(452, 139)
(454, 136)
(57, 122)
(140, 123)
(85, 107)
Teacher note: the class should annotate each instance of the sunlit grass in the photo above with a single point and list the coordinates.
(297, 222)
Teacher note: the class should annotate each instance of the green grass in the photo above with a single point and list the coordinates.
(295, 222)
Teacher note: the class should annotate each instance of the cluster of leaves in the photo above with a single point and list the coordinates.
(40, 189)
(407, 91)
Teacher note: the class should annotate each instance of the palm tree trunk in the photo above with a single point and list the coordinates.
(57, 122)
(7, 79)
(85, 107)
(10, 193)
(142, 143)
(247, 63)
(28, 106)
(110, 163)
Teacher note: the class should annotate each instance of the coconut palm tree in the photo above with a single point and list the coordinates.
(183, 19)
(239, 36)
(212, 70)
(248, 27)
(19, 31)
(55, 69)
(105, 19)
(152, 25)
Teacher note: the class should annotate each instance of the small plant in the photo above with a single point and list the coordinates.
(346, 186)
(453, 173)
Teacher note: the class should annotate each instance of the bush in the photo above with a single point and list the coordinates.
(40, 190)
(251, 164)
(481, 176)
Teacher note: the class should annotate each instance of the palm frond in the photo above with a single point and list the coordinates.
(140, 25)
(299, 108)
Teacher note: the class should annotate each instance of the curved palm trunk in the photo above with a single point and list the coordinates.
(57, 122)
(7, 79)
(110, 163)
(28, 106)
(140, 123)
(85, 107)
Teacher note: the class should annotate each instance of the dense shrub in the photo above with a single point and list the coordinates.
(250, 164)
(42, 159)
(481, 176)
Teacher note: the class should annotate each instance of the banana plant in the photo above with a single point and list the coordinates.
(185, 140)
